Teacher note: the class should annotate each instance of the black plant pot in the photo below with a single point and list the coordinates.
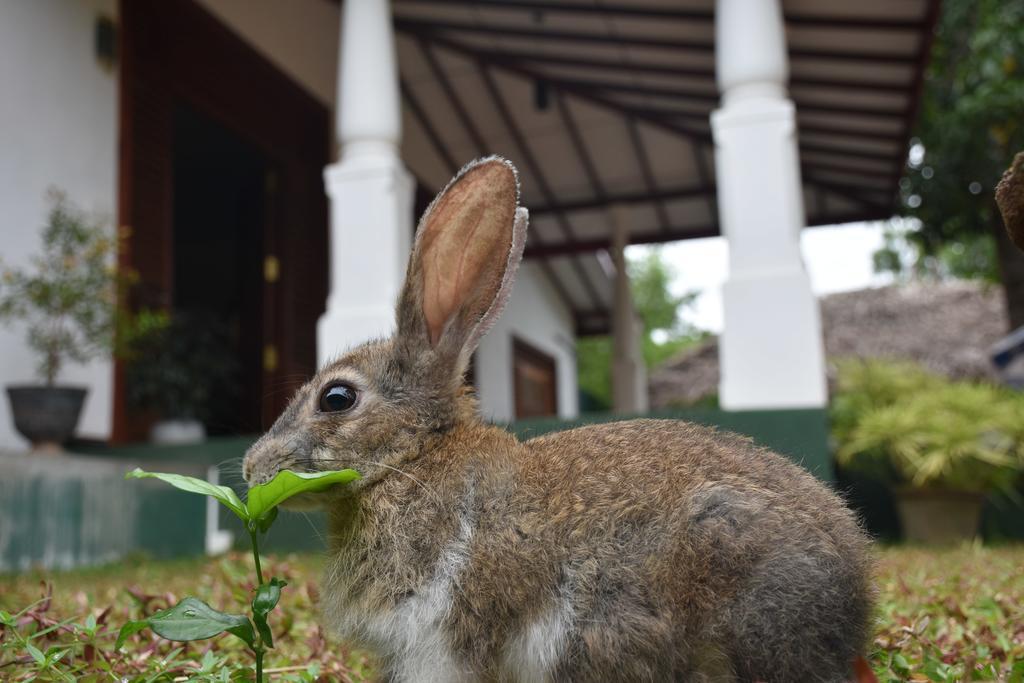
(46, 416)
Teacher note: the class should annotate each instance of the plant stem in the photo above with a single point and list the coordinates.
(256, 554)
(258, 650)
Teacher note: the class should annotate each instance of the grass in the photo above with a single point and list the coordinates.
(117, 593)
(952, 615)
(944, 615)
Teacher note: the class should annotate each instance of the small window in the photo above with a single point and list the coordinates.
(535, 381)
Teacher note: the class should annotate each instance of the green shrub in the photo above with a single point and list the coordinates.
(900, 423)
(71, 293)
(182, 368)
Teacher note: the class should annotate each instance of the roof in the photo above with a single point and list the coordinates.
(603, 103)
(949, 328)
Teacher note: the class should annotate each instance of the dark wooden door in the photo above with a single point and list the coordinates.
(535, 381)
(176, 57)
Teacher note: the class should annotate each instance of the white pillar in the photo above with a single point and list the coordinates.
(629, 373)
(370, 191)
(771, 348)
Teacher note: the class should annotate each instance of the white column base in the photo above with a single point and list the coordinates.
(371, 199)
(771, 353)
(218, 541)
(771, 350)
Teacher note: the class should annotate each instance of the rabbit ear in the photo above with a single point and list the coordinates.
(468, 247)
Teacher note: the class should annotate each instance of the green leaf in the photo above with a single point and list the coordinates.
(36, 653)
(193, 619)
(1017, 672)
(285, 484)
(266, 599)
(264, 522)
(267, 596)
(222, 493)
(130, 629)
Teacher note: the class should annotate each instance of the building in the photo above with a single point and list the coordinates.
(205, 126)
(950, 328)
(211, 128)
(267, 159)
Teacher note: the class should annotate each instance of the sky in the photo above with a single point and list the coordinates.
(838, 259)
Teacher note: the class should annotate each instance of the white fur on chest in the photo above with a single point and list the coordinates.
(411, 636)
(412, 639)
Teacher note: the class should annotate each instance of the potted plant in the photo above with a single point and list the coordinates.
(176, 370)
(68, 299)
(941, 445)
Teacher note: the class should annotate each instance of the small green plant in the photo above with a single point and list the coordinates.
(70, 295)
(183, 369)
(192, 619)
(904, 425)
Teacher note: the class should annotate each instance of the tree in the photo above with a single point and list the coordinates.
(971, 125)
(665, 332)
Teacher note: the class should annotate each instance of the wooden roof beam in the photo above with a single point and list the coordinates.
(538, 176)
(428, 127)
(924, 51)
(453, 98)
(582, 93)
(707, 73)
(645, 171)
(676, 234)
(701, 47)
(481, 149)
(676, 14)
(852, 194)
(589, 167)
(607, 199)
(553, 6)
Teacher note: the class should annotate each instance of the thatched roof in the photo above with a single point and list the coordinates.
(947, 327)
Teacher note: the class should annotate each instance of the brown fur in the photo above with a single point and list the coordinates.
(681, 553)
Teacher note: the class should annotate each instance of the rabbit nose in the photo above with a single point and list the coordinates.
(255, 464)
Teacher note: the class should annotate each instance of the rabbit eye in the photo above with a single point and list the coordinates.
(337, 398)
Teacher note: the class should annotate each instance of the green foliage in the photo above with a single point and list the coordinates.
(970, 256)
(192, 619)
(911, 428)
(970, 127)
(265, 497)
(594, 370)
(74, 626)
(959, 607)
(225, 495)
(70, 295)
(176, 367)
(950, 615)
(866, 385)
(650, 280)
(267, 597)
(665, 333)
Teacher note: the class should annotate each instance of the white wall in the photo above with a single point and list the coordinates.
(58, 126)
(537, 316)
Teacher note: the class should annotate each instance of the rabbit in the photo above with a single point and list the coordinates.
(642, 550)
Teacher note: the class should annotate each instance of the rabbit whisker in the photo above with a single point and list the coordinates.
(405, 474)
(312, 526)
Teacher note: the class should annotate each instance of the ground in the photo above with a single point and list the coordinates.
(944, 615)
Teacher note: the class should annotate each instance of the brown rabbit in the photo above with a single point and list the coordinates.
(648, 550)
